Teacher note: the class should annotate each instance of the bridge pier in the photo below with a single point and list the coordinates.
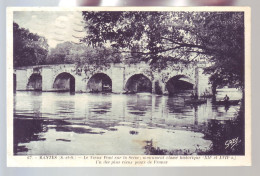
(80, 84)
(118, 79)
(203, 85)
(164, 89)
(21, 79)
(196, 85)
(153, 86)
(47, 77)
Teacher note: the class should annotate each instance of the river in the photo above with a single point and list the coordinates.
(87, 124)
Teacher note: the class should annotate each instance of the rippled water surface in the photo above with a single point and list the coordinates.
(64, 123)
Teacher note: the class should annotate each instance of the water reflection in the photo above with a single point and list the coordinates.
(139, 104)
(113, 124)
(26, 131)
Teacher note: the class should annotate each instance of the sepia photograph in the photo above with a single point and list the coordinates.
(128, 82)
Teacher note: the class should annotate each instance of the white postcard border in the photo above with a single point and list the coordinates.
(118, 160)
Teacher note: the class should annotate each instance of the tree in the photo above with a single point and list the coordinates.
(85, 57)
(165, 38)
(29, 48)
(65, 53)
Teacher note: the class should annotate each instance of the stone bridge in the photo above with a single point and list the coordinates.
(118, 78)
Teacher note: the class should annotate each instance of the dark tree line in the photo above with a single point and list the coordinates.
(29, 48)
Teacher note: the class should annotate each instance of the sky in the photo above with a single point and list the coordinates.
(56, 27)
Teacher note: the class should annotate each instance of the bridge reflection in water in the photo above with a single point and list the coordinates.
(66, 123)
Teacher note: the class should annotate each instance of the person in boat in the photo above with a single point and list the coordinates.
(226, 98)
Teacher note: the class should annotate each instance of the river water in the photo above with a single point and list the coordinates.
(66, 124)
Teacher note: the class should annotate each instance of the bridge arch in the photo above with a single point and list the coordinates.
(99, 82)
(35, 82)
(179, 83)
(64, 82)
(138, 83)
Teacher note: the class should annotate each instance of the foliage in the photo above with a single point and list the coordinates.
(98, 58)
(86, 58)
(228, 67)
(163, 39)
(29, 48)
(223, 132)
(65, 53)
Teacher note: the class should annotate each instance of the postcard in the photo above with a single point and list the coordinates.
(128, 86)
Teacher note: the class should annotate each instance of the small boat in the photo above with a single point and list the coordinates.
(227, 103)
(129, 92)
(206, 96)
(195, 101)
